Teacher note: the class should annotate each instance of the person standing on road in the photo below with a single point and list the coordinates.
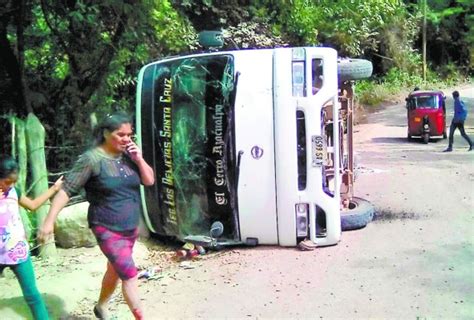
(111, 173)
(14, 250)
(460, 114)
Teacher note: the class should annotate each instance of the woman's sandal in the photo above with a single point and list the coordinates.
(98, 313)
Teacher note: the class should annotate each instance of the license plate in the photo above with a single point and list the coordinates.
(317, 143)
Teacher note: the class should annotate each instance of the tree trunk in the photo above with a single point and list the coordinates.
(12, 68)
(35, 138)
(20, 45)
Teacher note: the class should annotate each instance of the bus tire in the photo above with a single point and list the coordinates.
(359, 214)
(353, 69)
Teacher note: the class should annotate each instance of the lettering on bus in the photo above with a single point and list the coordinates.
(220, 198)
(166, 97)
(218, 151)
(167, 180)
(218, 148)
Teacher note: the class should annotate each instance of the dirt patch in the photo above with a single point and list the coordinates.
(362, 111)
(70, 284)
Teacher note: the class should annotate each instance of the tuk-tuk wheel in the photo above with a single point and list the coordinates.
(359, 214)
(409, 137)
(426, 138)
(445, 135)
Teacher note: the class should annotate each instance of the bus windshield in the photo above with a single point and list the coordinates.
(187, 133)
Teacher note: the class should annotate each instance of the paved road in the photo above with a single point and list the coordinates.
(415, 260)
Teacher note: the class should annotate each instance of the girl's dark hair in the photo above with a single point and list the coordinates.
(8, 165)
(110, 123)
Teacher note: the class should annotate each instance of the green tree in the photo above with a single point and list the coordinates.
(63, 60)
(13, 20)
(213, 14)
(352, 27)
(66, 59)
(450, 34)
(243, 22)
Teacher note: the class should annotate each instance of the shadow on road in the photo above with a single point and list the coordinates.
(402, 140)
(18, 306)
(395, 140)
(382, 215)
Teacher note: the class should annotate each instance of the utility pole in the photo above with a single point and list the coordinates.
(424, 41)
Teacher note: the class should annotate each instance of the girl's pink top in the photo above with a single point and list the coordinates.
(13, 243)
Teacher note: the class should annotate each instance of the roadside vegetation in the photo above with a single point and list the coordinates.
(69, 62)
(397, 82)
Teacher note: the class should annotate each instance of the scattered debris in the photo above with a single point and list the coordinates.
(189, 251)
(152, 273)
(201, 250)
(188, 246)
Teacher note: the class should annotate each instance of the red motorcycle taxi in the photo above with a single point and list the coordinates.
(426, 113)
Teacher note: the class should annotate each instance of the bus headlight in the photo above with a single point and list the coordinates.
(298, 72)
(301, 212)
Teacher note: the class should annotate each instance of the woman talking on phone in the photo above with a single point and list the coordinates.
(111, 173)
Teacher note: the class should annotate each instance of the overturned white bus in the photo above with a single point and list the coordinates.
(245, 139)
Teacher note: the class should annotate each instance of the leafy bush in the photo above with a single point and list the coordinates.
(253, 35)
(397, 81)
(370, 93)
(450, 74)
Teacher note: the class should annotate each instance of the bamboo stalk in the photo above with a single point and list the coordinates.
(35, 138)
(19, 152)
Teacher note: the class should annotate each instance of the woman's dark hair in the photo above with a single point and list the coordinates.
(110, 123)
(8, 165)
(456, 94)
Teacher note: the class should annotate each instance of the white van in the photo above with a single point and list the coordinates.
(244, 140)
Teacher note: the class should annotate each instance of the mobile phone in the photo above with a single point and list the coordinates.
(127, 149)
